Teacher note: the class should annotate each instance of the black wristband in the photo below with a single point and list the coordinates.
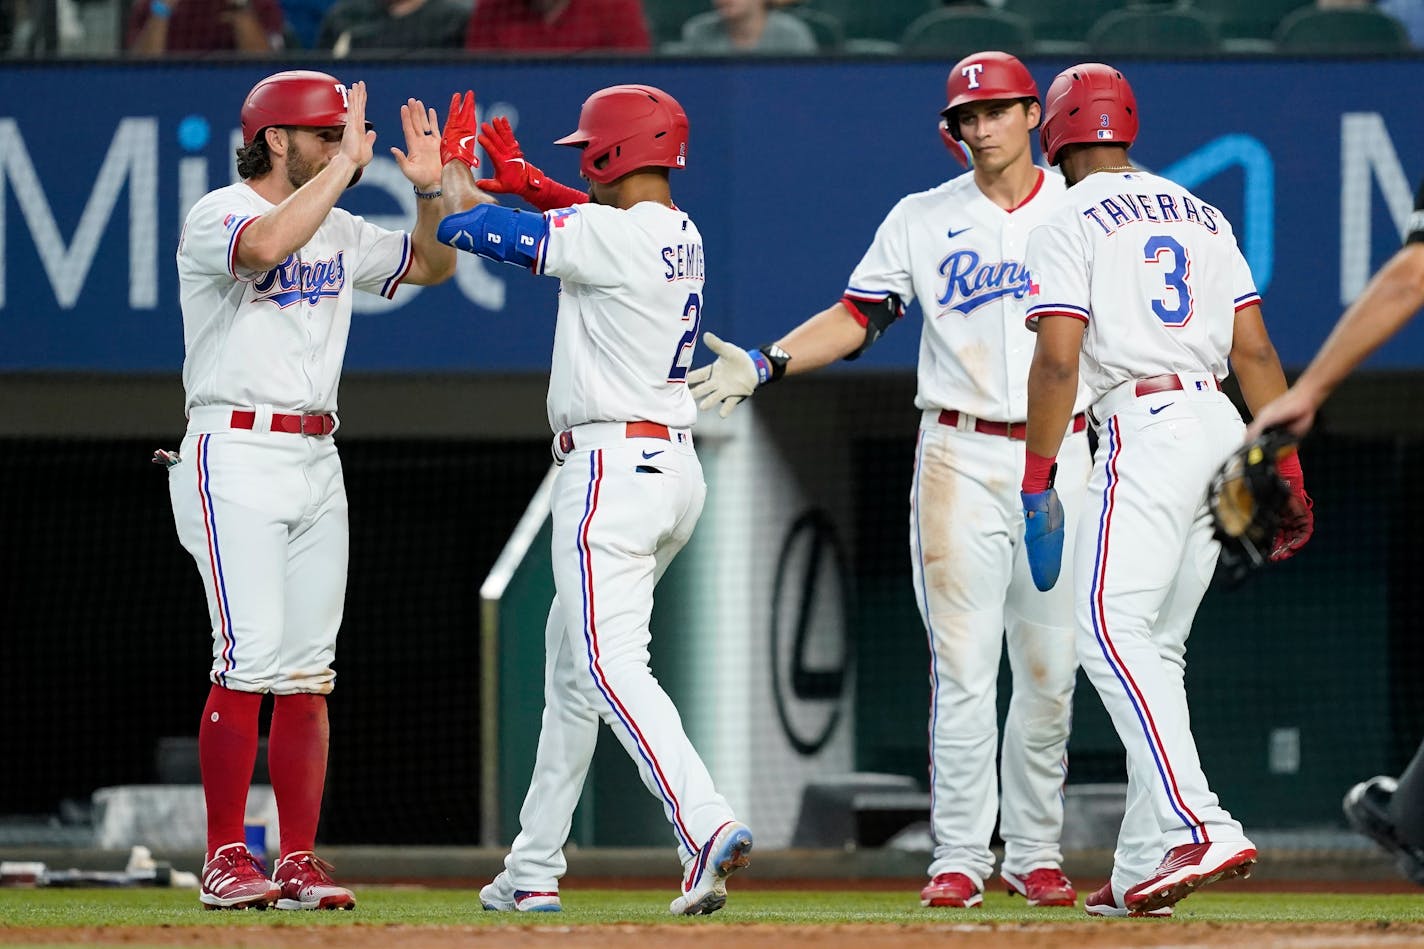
(778, 358)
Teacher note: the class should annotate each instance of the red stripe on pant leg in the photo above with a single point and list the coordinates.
(1154, 736)
(602, 678)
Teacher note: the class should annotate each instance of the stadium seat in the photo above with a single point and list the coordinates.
(958, 31)
(1145, 30)
(873, 19)
(1362, 30)
(830, 33)
(1062, 21)
(1255, 20)
(666, 17)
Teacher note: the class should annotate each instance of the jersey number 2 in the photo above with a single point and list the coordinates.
(682, 359)
(1175, 307)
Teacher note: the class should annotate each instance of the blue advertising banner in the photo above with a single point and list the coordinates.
(792, 166)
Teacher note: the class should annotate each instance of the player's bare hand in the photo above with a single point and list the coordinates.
(461, 130)
(357, 144)
(1293, 411)
(726, 381)
(420, 162)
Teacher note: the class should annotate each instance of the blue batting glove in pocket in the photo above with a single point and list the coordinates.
(1043, 536)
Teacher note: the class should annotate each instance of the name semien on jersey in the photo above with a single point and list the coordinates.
(1114, 213)
(294, 280)
(969, 284)
(683, 262)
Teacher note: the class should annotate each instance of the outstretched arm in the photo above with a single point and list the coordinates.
(735, 374)
(431, 261)
(1389, 301)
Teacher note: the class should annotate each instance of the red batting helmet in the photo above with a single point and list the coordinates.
(624, 128)
(1088, 103)
(294, 97)
(983, 76)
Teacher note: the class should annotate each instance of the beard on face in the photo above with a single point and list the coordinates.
(299, 169)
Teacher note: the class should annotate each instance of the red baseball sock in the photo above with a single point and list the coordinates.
(296, 758)
(227, 751)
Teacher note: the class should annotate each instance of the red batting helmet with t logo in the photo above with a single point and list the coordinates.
(294, 97)
(1088, 104)
(984, 76)
(624, 128)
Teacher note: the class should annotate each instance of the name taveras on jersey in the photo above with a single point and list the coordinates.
(683, 262)
(1122, 209)
(295, 280)
(969, 284)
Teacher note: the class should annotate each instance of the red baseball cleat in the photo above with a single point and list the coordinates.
(233, 879)
(1101, 903)
(306, 883)
(1188, 868)
(1046, 886)
(951, 889)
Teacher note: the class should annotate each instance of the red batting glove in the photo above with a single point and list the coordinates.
(514, 175)
(1298, 516)
(458, 142)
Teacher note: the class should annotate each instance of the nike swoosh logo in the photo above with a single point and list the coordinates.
(1160, 408)
(953, 233)
(651, 454)
(465, 141)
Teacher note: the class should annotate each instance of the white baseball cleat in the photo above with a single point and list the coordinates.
(704, 881)
(500, 896)
(1186, 869)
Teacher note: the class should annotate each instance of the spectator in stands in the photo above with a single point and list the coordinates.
(170, 26)
(1411, 14)
(393, 24)
(304, 19)
(746, 26)
(525, 25)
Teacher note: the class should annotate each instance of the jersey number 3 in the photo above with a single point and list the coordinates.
(1174, 308)
(682, 359)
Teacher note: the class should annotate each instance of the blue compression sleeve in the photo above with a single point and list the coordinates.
(496, 232)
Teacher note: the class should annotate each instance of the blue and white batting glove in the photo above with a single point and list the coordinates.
(1043, 536)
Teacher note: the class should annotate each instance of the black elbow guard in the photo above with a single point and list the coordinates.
(878, 317)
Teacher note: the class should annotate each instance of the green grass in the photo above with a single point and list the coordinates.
(441, 907)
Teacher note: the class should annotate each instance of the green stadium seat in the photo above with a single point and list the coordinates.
(1159, 31)
(1362, 30)
(1240, 19)
(666, 17)
(1056, 21)
(873, 19)
(829, 31)
(955, 32)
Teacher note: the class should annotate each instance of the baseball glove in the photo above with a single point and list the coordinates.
(1253, 505)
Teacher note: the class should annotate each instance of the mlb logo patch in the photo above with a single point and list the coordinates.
(1105, 133)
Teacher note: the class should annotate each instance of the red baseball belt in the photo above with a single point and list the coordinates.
(1013, 430)
(295, 424)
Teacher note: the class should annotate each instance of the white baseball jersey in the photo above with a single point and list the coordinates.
(629, 309)
(962, 257)
(1152, 269)
(276, 337)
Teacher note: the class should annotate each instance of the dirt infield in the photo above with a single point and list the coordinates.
(1109, 934)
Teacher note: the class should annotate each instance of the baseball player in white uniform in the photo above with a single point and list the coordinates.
(958, 249)
(267, 268)
(1143, 282)
(630, 488)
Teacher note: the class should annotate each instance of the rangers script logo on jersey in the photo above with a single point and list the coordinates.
(294, 280)
(969, 283)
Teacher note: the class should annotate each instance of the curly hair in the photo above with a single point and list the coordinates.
(254, 161)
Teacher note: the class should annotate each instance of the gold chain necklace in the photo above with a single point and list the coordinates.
(1113, 168)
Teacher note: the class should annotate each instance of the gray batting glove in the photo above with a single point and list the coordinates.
(726, 381)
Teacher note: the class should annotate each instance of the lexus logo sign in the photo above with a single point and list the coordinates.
(811, 651)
